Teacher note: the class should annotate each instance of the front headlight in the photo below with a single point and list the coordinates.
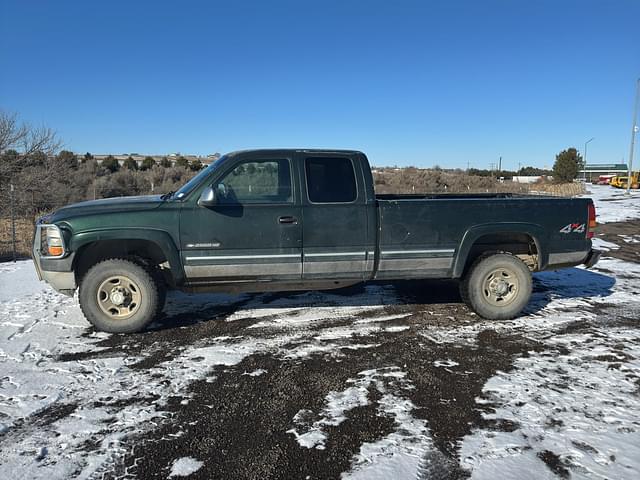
(51, 242)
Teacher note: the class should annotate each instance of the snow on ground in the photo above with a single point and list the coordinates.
(582, 405)
(571, 404)
(613, 204)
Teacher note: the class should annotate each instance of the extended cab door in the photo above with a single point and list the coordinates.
(253, 233)
(338, 231)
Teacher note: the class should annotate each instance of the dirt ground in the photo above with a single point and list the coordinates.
(617, 233)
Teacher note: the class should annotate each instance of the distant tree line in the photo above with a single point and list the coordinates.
(570, 162)
(567, 165)
(113, 165)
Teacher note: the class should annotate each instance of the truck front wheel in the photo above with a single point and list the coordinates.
(119, 296)
(497, 286)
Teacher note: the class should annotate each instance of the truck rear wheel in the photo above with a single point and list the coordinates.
(497, 286)
(119, 296)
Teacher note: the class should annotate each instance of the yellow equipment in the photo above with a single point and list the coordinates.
(621, 182)
(617, 181)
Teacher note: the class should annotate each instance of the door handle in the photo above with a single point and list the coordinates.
(288, 220)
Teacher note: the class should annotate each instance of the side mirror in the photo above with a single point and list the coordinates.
(207, 198)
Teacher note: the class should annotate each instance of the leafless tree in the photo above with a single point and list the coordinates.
(40, 139)
(25, 139)
(11, 131)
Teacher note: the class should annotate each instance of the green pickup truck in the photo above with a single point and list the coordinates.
(295, 219)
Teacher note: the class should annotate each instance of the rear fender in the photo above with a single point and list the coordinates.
(474, 233)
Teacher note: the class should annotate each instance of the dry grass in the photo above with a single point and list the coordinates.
(24, 238)
(560, 190)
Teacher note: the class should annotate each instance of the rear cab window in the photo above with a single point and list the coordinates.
(330, 180)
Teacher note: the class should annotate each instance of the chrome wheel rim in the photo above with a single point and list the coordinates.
(500, 287)
(119, 297)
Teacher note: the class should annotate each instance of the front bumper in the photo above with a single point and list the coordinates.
(592, 258)
(56, 271)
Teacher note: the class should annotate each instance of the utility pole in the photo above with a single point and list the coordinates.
(499, 165)
(584, 159)
(634, 130)
(13, 222)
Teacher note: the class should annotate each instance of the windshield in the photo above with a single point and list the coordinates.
(195, 181)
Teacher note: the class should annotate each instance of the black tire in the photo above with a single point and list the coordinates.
(497, 286)
(157, 276)
(119, 296)
(162, 288)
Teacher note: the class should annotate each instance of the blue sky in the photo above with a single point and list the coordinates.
(409, 83)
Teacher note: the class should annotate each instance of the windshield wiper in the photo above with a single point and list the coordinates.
(167, 196)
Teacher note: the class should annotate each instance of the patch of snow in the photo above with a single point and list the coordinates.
(630, 238)
(399, 454)
(296, 318)
(445, 363)
(256, 373)
(18, 280)
(185, 466)
(395, 328)
(407, 452)
(605, 246)
(337, 405)
(384, 318)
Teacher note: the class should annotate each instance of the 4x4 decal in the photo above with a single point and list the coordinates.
(573, 228)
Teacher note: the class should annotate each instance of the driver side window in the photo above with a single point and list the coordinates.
(256, 182)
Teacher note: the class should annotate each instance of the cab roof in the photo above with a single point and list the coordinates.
(289, 151)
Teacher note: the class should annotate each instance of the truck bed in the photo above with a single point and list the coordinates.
(423, 235)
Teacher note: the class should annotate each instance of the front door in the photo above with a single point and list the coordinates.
(253, 233)
(335, 223)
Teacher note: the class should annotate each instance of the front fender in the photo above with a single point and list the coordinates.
(159, 237)
(474, 233)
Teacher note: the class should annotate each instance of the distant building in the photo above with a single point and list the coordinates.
(592, 171)
(528, 178)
